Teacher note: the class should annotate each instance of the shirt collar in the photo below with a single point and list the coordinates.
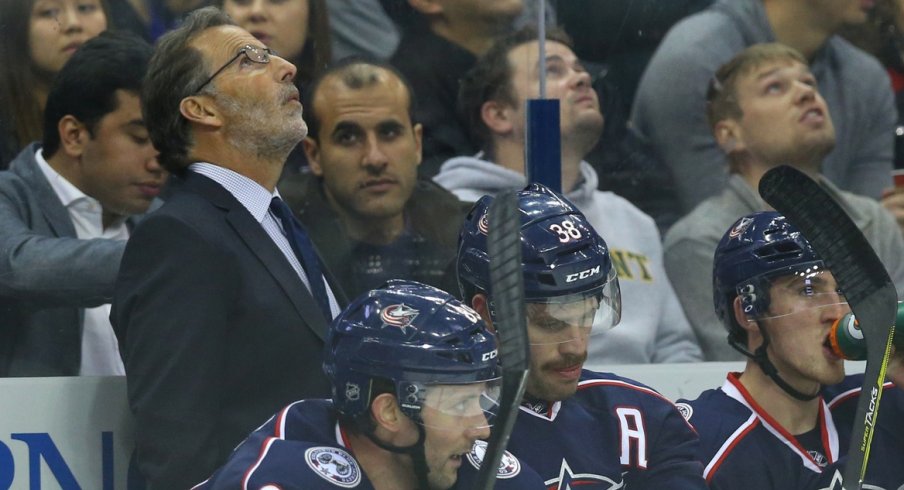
(249, 193)
(65, 190)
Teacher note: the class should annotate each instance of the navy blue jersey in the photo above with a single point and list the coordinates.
(613, 433)
(302, 447)
(743, 447)
(886, 458)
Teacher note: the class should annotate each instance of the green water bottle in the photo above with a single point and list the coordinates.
(846, 339)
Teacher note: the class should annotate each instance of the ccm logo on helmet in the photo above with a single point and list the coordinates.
(583, 274)
(490, 355)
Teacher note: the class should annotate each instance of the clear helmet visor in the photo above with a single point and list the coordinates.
(458, 407)
(812, 290)
(576, 316)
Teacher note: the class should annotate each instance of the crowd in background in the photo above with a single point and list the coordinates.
(413, 110)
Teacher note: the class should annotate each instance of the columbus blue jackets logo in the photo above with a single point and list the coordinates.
(483, 225)
(334, 465)
(740, 228)
(509, 466)
(399, 316)
(685, 410)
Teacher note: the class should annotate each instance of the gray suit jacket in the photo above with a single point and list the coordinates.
(47, 275)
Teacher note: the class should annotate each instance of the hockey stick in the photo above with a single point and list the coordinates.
(864, 280)
(507, 286)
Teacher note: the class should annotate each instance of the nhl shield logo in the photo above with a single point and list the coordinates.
(509, 466)
(352, 392)
(399, 316)
(334, 465)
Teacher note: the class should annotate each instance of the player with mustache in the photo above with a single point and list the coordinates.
(576, 427)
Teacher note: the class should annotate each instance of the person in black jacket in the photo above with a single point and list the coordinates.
(367, 213)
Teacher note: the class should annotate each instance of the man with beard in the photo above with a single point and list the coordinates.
(672, 91)
(494, 96)
(576, 427)
(221, 305)
(368, 214)
(764, 111)
(772, 426)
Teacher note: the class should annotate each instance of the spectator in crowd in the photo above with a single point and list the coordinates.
(493, 95)
(150, 18)
(773, 426)
(576, 427)
(67, 206)
(668, 107)
(37, 38)
(765, 110)
(298, 31)
(389, 439)
(220, 289)
(366, 211)
(361, 28)
(436, 49)
(883, 37)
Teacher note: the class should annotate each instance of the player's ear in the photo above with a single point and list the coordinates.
(748, 323)
(481, 305)
(386, 412)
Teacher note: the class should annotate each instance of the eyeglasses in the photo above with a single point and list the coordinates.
(257, 55)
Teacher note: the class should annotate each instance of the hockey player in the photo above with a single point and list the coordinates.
(414, 377)
(773, 426)
(576, 428)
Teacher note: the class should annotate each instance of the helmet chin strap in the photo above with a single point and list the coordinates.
(761, 357)
(416, 451)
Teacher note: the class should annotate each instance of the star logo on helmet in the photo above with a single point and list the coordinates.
(740, 228)
(399, 316)
(483, 224)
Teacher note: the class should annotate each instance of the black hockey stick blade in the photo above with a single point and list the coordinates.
(864, 280)
(507, 286)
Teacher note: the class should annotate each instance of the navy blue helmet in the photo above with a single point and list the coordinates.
(563, 257)
(757, 248)
(411, 335)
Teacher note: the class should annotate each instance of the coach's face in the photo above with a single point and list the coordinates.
(256, 104)
(368, 150)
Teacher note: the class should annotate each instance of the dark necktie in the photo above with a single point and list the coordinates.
(304, 250)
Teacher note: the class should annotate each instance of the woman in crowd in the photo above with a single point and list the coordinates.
(36, 40)
(298, 30)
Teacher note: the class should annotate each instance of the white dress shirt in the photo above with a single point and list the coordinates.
(100, 350)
